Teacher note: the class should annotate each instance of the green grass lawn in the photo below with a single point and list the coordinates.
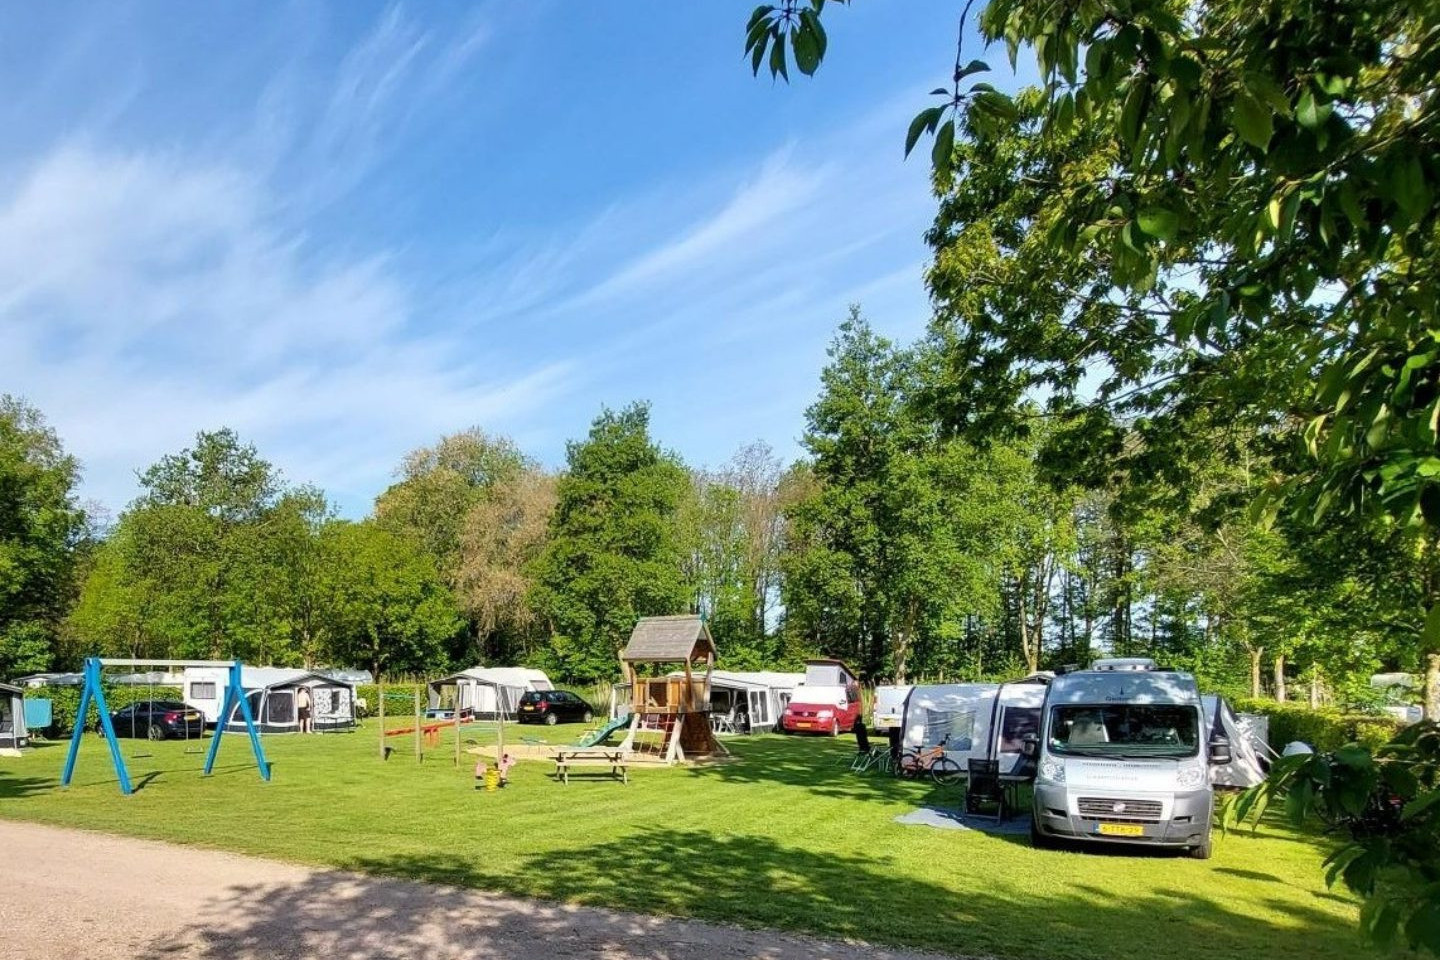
(785, 836)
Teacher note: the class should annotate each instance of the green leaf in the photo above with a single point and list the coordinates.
(924, 120)
(778, 67)
(1131, 115)
(1420, 805)
(973, 67)
(757, 53)
(1252, 120)
(942, 155)
(807, 49)
(1159, 222)
(1311, 113)
(812, 18)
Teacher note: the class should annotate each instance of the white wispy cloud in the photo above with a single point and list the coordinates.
(142, 297)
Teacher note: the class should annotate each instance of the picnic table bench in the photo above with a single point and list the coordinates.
(591, 757)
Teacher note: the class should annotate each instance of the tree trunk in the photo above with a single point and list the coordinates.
(1432, 687)
(1255, 654)
(1280, 677)
(1027, 647)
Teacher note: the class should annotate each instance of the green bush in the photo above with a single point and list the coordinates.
(1323, 729)
(65, 701)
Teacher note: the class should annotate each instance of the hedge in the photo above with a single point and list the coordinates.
(1323, 729)
(65, 701)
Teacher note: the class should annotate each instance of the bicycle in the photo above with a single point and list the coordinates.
(931, 760)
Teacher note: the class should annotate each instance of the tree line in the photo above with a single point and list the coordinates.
(906, 548)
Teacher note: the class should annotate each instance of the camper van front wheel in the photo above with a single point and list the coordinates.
(1202, 850)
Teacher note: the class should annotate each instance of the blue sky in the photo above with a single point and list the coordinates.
(345, 229)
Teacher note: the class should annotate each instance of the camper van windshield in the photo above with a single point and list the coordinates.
(1125, 730)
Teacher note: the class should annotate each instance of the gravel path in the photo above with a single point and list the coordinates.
(78, 895)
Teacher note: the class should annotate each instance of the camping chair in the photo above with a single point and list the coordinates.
(984, 789)
(724, 722)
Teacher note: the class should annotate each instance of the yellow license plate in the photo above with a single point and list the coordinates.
(1122, 830)
(192, 716)
(527, 709)
(802, 726)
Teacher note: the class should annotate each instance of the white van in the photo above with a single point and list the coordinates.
(1122, 757)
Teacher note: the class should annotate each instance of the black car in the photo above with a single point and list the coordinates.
(553, 706)
(159, 720)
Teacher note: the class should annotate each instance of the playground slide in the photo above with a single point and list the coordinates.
(596, 737)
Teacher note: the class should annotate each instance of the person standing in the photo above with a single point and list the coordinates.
(303, 704)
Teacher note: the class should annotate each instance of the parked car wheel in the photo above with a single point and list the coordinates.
(834, 728)
(551, 719)
(155, 732)
(588, 716)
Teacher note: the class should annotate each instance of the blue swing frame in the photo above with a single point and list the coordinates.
(94, 692)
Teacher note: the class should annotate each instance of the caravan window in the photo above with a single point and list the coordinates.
(202, 691)
(1017, 724)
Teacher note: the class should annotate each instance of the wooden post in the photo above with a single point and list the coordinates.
(457, 722)
(419, 755)
(380, 695)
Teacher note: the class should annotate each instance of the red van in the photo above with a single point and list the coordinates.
(826, 701)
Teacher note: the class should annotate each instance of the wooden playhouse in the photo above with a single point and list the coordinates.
(669, 697)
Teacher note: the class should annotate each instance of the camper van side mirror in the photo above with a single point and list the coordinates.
(1219, 751)
(1030, 746)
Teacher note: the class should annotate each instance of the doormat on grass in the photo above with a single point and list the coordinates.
(955, 820)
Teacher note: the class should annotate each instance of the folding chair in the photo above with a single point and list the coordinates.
(984, 789)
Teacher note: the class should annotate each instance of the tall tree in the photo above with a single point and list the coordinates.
(502, 538)
(614, 552)
(40, 526)
(431, 506)
(389, 608)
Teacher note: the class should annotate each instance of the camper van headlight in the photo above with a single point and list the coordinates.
(1190, 776)
(1052, 769)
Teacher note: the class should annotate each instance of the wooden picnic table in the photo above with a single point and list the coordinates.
(591, 757)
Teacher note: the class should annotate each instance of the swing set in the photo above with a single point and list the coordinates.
(94, 692)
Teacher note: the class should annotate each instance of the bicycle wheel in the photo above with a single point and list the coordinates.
(910, 764)
(946, 772)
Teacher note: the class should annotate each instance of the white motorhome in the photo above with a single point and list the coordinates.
(1123, 756)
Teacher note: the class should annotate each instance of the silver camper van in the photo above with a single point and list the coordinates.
(1121, 757)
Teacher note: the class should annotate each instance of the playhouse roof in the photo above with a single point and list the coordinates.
(8, 688)
(664, 639)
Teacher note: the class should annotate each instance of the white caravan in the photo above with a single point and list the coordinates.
(1124, 756)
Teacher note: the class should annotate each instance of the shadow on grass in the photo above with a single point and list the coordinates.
(823, 768)
(746, 879)
(14, 787)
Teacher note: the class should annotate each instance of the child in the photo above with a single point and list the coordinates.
(479, 774)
